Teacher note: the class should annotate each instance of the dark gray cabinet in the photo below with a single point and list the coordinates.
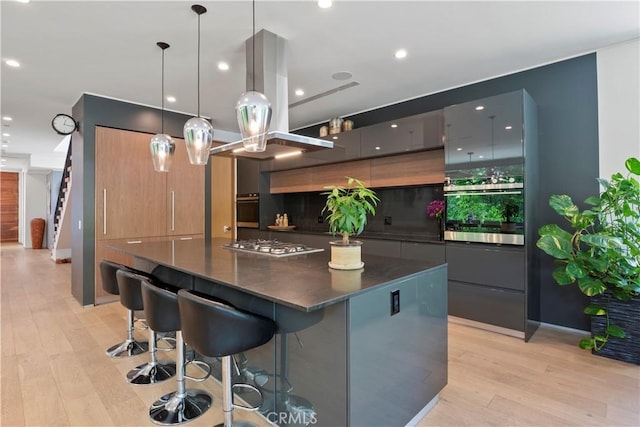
(487, 265)
(423, 251)
(414, 133)
(248, 176)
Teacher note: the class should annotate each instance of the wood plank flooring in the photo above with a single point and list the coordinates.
(54, 371)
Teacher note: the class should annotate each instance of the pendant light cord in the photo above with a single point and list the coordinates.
(198, 65)
(162, 101)
(253, 45)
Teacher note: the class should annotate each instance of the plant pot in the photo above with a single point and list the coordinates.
(37, 232)
(346, 280)
(508, 227)
(624, 314)
(346, 256)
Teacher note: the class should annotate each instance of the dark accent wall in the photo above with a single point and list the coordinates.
(91, 111)
(566, 95)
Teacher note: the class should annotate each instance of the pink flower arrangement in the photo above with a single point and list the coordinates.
(435, 208)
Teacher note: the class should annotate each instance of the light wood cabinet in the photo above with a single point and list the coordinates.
(135, 204)
(426, 167)
(130, 195)
(185, 194)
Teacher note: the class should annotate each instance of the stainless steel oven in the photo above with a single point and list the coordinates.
(487, 213)
(248, 210)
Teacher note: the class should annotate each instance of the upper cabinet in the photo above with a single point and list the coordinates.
(484, 135)
(415, 133)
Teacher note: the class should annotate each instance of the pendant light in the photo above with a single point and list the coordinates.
(253, 109)
(198, 132)
(162, 145)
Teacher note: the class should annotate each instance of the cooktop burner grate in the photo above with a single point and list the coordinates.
(272, 248)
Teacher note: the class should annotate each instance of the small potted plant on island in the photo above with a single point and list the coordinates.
(348, 209)
(601, 254)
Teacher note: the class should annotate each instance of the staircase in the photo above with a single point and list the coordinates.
(61, 247)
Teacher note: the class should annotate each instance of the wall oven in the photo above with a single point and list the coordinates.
(248, 210)
(486, 213)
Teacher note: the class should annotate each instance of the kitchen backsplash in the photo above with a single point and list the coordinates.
(401, 211)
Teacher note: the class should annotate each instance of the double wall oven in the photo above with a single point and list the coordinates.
(248, 210)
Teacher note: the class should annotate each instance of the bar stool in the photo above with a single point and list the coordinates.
(129, 347)
(216, 329)
(183, 405)
(154, 371)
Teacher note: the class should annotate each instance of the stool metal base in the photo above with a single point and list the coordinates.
(172, 409)
(238, 423)
(152, 373)
(128, 348)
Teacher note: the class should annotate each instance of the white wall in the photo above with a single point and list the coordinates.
(618, 105)
(35, 202)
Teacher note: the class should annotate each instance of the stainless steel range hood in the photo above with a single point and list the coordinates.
(271, 79)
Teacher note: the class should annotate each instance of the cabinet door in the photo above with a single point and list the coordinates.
(185, 195)
(248, 176)
(130, 195)
(393, 137)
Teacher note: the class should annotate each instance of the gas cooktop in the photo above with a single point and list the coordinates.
(272, 248)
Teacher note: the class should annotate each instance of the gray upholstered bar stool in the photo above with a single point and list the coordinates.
(216, 329)
(154, 371)
(130, 346)
(183, 405)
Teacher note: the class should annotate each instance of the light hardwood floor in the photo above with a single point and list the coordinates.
(54, 371)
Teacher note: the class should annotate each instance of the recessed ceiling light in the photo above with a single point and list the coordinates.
(335, 137)
(4, 160)
(22, 1)
(6, 134)
(458, 149)
(377, 148)
(509, 127)
(6, 118)
(480, 108)
(5, 145)
(481, 157)
(299, 92)
(223, 66)
(401, 53)
(324, 4)
(341, 75)
(12, 63)
(171, 98)
(394, 125)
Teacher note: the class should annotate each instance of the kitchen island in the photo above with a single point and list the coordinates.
(340, 357)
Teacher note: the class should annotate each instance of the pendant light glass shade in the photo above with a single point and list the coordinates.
(162, 149)
(198, 137)
(253, 112)
(198, 132)
(162, 145)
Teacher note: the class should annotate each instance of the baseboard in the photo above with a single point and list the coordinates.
(61, 255)
(424, 411)
(565, 328)
(486, 327)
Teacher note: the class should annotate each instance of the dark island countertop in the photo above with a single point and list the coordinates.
(303, 282)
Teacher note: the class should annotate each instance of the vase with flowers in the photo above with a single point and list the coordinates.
(435, 209)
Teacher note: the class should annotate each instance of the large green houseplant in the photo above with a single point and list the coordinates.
(601, 253)
(347, 210)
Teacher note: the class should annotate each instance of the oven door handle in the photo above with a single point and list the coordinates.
(484, 193)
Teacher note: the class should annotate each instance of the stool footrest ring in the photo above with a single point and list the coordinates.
(252, 388)
(203, 365)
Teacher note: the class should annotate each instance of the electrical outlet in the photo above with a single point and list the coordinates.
(395, 302)
(387, 220)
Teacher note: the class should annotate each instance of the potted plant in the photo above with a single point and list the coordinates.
(509, 208)
(435, 209)
(602, 255)
(348, 209)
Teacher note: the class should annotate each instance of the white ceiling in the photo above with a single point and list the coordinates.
(109, 48)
